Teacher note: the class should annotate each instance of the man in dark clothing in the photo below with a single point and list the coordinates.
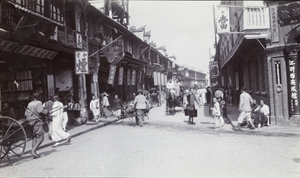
(191, 99)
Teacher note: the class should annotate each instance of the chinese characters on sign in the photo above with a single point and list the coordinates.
(121, 73)
(133, 77)
(214, 69)
(81, 62)
(222, 19)
(78, 40)
(128, 77)
(112, 73)
(155, 78)
(274, 24)
(293, 85)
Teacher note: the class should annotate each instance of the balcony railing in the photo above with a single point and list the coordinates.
(255, 18)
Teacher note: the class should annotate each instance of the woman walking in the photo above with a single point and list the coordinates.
(58, 134)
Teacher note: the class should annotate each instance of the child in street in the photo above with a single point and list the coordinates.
(222, 107)
(216, 112)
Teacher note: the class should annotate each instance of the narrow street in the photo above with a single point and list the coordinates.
(166, 146)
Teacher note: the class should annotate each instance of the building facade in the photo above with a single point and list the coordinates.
(260, 53)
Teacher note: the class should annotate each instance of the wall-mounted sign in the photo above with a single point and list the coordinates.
(81, 62)
(27, 50)
(293, 86)
(274, 24)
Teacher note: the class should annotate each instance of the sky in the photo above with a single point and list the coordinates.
(186, 28)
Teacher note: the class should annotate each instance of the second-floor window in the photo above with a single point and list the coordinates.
(34, 5)
(56, 13)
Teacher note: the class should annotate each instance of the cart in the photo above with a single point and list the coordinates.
(13, 139)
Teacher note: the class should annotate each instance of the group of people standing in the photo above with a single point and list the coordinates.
(51, 112)
(103, 108)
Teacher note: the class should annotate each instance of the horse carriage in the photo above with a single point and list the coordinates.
(172, 101)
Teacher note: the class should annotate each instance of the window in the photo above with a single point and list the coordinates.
(55, 13)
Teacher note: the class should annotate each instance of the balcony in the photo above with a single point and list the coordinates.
(254, 19)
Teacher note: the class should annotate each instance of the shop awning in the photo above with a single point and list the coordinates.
(242, 39)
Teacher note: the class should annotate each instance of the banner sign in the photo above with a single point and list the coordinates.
(114, 52)
(128, 77)
(162, 79)
(81, 62)
(121, 74)
(112, 73)
(27, 50)
(155, 78)
(214, 69)
(78, 40)
(158, 78)
(166, 79)
(274, 24)
(222, 19)
(133, 77)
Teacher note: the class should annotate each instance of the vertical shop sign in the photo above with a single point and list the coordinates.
(162, 79)
(133, 77)
(274, 24)
(81, 62)
(214, 69)
(112, 73)
(166, 79)
(293, 85)
(222, 21)
(128, 77)
(78, 40)
(158, 78)
(121, 74)
(155, 78)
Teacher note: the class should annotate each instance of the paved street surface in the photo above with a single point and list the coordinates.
(166, 146)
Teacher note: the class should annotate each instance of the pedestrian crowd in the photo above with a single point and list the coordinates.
(52, 113)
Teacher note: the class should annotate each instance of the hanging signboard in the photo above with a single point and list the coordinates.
(78, 40)
(155, 78)
(214, 69)
(81, 62)
(121, 74)
(158, 78)
(112, 73)
(222, 19)
(128, 77)
(133, 77)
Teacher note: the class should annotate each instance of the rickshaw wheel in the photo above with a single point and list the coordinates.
(12, 140)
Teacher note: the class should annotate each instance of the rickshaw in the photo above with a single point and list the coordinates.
(217, 91)
(154, 97)
(13, 138)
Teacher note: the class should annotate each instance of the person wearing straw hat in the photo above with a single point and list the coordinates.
(105, 104)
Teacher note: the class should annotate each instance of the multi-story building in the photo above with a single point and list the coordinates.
(56, 47)
(257, 51)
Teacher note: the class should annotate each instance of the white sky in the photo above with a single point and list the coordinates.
(184, 27)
